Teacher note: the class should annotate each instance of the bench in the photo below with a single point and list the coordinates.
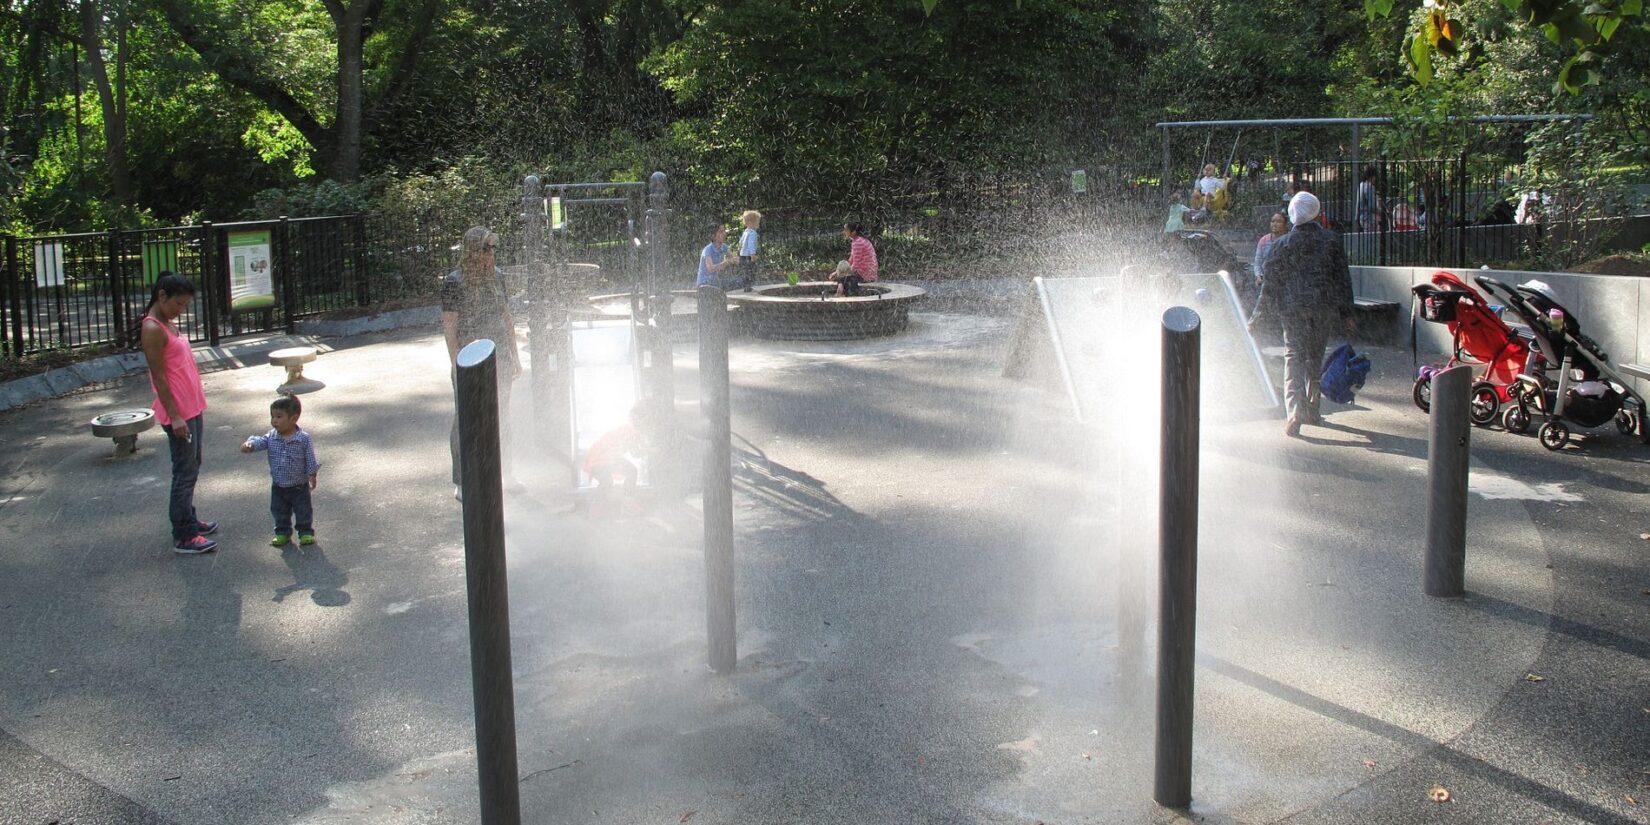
(1377, 320)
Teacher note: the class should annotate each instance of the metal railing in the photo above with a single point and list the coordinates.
(70, 291)
(1446, 212)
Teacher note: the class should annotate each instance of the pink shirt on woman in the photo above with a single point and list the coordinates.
(863, 258)
(181, 376)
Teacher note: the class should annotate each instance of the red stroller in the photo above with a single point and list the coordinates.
(1478, 337)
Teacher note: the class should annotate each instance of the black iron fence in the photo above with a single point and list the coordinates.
(90, 289)
(1448, 213)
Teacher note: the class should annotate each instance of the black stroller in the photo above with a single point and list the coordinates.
(1584, 391)
(1202, 252)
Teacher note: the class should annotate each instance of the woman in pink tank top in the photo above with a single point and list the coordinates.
(180, 401)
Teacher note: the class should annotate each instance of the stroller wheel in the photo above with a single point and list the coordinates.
(1485, 403)
(1515, 419)
(1554, 435)
(1625, 423)
(1422, 393)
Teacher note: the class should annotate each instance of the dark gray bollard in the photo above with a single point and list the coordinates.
(718, 493)
(1447, 447)
(1177, 557)
(658, 375)
(495, 705)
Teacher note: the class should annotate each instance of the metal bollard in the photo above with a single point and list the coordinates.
(658, 377)
(718, 492)
(1177, 557)
(495, 706)
(1449, 434)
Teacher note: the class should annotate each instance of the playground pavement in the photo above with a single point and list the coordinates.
(929, 593)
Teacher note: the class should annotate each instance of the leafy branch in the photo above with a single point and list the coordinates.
(1583, 28)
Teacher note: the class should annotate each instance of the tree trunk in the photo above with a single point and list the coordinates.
(345, 163)
(112, 100)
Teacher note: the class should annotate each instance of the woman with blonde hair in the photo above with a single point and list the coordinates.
(476, 305)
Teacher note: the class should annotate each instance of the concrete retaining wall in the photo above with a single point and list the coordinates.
(1612, 310)
(56, 382)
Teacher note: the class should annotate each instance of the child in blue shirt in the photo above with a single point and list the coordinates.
(292, 468)
(714, 258)
(747, 239)
(747, 247)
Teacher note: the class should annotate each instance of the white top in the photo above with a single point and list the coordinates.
(1210, 184)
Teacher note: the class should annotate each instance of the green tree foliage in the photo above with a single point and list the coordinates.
(839, 100)
(182, 135)
(308, 61)
(832, 105)
(1584, 29)
(534, 85)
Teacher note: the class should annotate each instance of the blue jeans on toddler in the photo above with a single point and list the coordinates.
(289, 503)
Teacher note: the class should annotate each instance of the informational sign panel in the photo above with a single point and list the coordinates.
(251, 270)
(48, 264)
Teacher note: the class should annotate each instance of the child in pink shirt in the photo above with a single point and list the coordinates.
(862, 259)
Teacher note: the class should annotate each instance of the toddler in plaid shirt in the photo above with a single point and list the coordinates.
(292, 467)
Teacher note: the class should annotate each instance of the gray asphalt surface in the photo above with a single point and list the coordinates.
(930, 590)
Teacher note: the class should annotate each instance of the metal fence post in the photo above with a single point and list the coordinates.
(718, 486)
(1449, 435)
(1177, 551)
(488, 588)
(14, 297)
(358, 259)
(1168, 180)
(661, 385)
(538, 288)
(209, 274)
(117, 293)
(1383, 223)
(289, 292)
(1462, 180)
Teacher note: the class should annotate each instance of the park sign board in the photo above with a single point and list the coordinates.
(251, 270)
(48, 264)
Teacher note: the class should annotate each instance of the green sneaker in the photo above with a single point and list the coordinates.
(280, 540)
(306, 539)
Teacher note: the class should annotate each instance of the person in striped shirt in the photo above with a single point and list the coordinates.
(862, 260)
(292, 468)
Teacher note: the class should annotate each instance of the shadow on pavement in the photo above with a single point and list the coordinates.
(313, 572)
(1473, 766)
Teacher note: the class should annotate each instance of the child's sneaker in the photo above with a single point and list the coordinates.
(194, 546)
(306, 539)
(206, 528)
(280, 540)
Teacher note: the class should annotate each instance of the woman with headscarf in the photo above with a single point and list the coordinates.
(475, 305)
(1308, 288)
(1278, 227)
(180, 403)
